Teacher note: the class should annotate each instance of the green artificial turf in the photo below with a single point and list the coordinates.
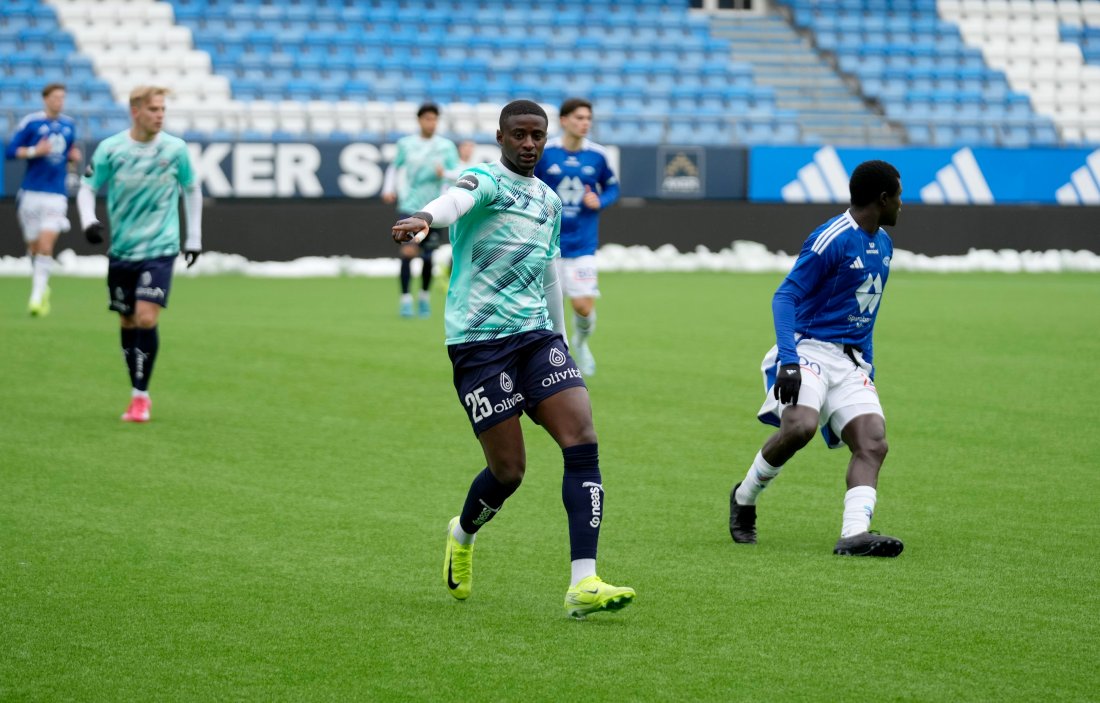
(276, 532)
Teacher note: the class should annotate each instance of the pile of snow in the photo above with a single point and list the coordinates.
(749, 257)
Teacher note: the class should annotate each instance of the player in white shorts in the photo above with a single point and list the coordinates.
(46, 141)
(836, 382)
(580, 173)
(820, 373)
(579, 277)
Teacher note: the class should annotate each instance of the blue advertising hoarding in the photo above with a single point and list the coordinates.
(976, 176)
(761, 174)
(356, 170)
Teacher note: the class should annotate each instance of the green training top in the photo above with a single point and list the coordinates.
(501, 249)
(143, 192)
(419, 157)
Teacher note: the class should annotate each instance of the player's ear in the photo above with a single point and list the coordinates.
(500, 138)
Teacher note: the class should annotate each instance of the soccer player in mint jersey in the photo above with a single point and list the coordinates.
(46, 141)
(578, 171)
(144, 170)
(415, 178)
(820, 373)
(505, 337)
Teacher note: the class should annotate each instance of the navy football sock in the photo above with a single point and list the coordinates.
(146, 342)
(128, 351)
(485, 499)
(426, 274)
(582, 494)
(406, 274)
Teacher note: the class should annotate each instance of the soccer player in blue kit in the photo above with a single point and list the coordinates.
(820, 372)
(504, 324)
(578, 171)
(46, 140)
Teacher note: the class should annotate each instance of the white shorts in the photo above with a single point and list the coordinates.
(832, 384)
(42, 212)
(579, 277)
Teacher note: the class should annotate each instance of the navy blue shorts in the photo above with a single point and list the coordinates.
(130, 281)
(504, 377)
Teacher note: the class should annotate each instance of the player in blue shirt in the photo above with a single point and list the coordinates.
(820, 372)
(46, 140)
(578, 171)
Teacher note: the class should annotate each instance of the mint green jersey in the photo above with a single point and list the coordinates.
(143, 191)
(501, 249)
(420, 157)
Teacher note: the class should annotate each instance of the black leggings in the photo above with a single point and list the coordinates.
(425, 276)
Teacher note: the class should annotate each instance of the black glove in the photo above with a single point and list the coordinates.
(191, 256)
(787, 383)
(94, 233)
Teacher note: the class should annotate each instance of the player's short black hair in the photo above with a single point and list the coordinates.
(522, 107)
(572, 104)
(426, 108)
(871, 179)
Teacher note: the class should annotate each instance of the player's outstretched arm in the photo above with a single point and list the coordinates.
(444, 211)
(412, 229)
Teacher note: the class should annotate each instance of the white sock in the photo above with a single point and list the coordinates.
(425, 296)
(859, 506)
(760, 474)
(135, 393)
(584, 326)
(582, 569)
(407, 298)
(40, 277)
(461, 535)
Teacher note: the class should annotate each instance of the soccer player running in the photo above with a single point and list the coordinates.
(578, 171)
(820, 372)
(415, 178)
(504, 324)
(46, 140)
(144, 170)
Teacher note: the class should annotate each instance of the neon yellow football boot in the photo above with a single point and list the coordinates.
(458, 564)
(42, 307)
(592, 595)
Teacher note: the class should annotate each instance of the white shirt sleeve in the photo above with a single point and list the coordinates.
(192, 205)
(449, 207)
(85, 203)
(552, 288)
(389, 183)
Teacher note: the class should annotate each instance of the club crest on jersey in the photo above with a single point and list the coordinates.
(468, 182)
(557, 357)
(505, 382)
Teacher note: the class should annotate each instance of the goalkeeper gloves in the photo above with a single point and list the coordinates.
(94, 233)
(787, 383)
(191, 256)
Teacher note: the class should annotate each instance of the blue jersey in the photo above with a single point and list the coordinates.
(833, 292)
(45, 174)
(568, 172)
